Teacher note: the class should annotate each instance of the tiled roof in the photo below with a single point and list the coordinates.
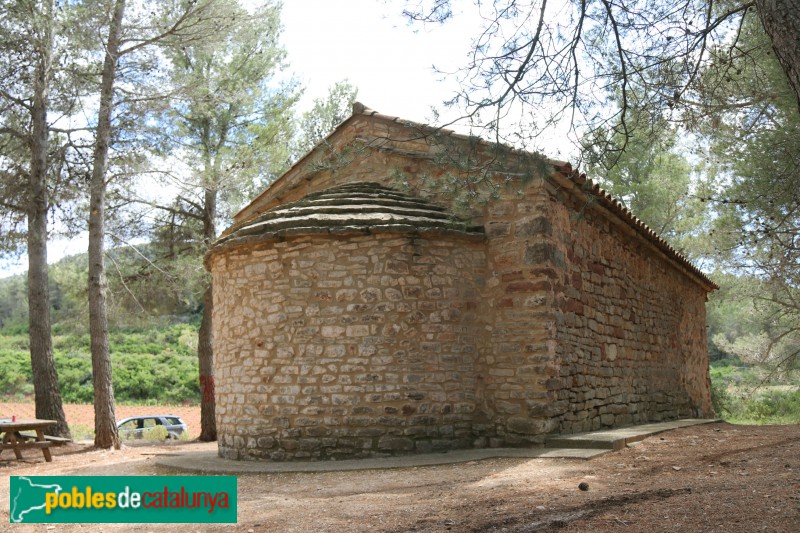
(352, 208)
(623, 213)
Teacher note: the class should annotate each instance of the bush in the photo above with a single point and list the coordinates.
(773, 407)
(747, 394)
(155, 433)
(15, 329)
(721, 399)
(75, 377)
(15, 373)
(157, 365)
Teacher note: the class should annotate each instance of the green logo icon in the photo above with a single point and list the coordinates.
(117, 499)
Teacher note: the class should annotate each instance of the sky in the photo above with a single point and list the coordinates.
(372, 45)
(367, 42)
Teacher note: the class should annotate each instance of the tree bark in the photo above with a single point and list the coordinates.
(781, 20)
(205, 352)
(105, 426)
(45, 379)
(205, 357)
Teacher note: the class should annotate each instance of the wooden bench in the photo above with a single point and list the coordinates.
(56, 441)
(21, 445)
(10, 430)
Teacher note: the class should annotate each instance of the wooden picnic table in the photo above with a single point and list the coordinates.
(12, 440)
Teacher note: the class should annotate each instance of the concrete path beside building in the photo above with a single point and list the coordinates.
(576, 446)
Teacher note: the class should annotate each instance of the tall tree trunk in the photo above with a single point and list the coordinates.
(205, 352)
(781, 20)
(105, 426)
(205, 356)
(45, 379)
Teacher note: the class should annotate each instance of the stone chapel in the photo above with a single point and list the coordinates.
(361, 310)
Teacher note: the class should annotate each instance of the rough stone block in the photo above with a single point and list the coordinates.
(534, 227)
(526, 426)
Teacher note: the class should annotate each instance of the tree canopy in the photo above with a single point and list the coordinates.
(586, 64)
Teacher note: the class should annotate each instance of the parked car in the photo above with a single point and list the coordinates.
(134, 427)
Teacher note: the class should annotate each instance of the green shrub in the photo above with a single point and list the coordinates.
(156, 365)
(155, 433)
(75, 377)
(721, 399)
(773, 407)
(15, 329)
(745, 394)
(72, 342)
(15, 373)
(15, 342)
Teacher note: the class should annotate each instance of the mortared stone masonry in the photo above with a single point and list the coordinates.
(356, 315)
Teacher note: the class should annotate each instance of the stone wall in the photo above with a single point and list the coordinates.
(368, 150)
(350, 346)
(520, 356)
(592, 326)
(631, 341)
(569, 317)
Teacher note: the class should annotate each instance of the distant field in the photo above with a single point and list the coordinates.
(83, 415)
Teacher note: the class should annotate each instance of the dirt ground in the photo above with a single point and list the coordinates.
(715, 477)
